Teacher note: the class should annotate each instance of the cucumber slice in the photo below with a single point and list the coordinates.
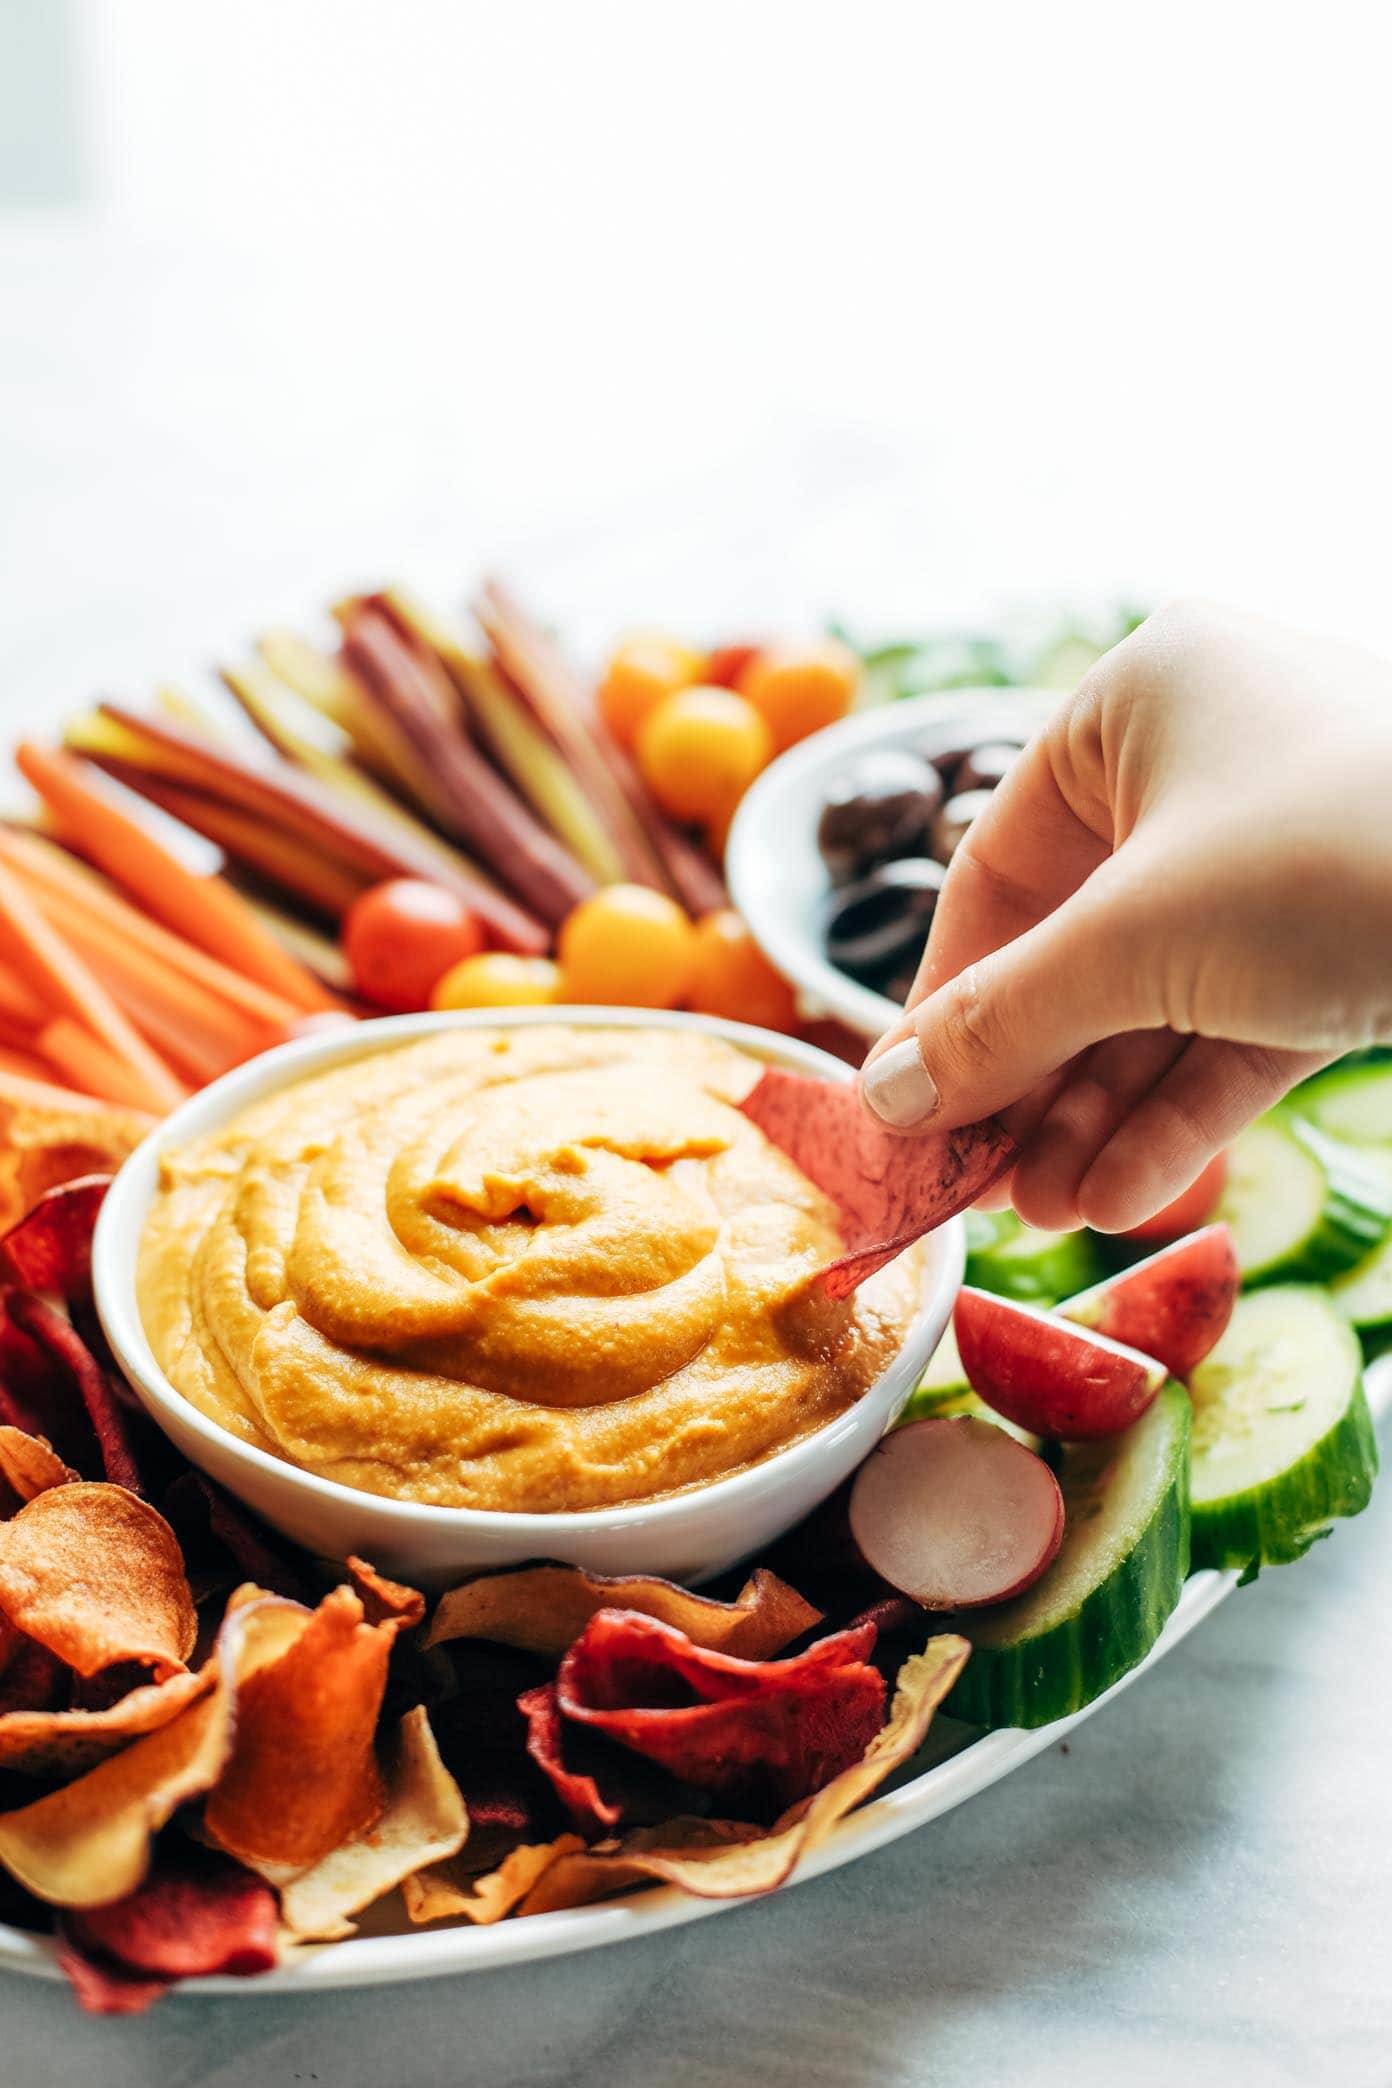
(1301, 1207)
(1102, 1604)
(1009, 1257)
(1283, 1440)
(1352, 1100)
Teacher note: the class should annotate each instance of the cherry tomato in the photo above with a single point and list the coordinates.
(727, 663)
(400, 936)
(1193, 1208)
(498, 979)
(640, 673)
(700, 750)
(801, 688)
(626, 947)
(732, 976)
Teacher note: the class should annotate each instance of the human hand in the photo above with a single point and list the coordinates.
(1178, 903)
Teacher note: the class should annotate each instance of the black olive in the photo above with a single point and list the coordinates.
(986, 765)
(883, 807)
(878, 926)
(954, 819)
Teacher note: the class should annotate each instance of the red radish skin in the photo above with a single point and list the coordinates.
(955, 1513)
(1191, 1208)
(1050, 1377)
(1174, 1305)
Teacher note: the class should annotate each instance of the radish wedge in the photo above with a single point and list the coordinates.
(1174, 1305)
(956, 1513)
(1048, 1376)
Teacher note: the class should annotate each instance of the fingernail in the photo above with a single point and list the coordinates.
(898, 1087)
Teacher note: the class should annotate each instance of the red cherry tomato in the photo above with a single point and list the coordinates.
(1191, 1209)
(401, 936)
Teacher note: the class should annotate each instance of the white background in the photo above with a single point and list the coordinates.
(740, 313)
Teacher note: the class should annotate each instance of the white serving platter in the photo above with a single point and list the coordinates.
(940, 1782)
(777, 878)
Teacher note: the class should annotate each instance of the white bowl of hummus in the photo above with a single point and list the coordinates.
(456, 1291)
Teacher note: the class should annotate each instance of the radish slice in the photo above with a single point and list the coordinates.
(1050, 1377)
(956, 1513)
(1174, 1305)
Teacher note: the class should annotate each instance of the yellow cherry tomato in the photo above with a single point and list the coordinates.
(732, 976)
(798, 689)
(628, 947)
(700, 750)
(498, 979)
(640, 673)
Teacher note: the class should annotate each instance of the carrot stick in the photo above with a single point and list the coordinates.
(18, 1002)
(65, 887)
(18, 1091)
(204, 909)
(86, 1061)
(23, 1063)
(65, 985)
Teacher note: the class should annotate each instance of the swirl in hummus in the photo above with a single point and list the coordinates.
(536, 1269)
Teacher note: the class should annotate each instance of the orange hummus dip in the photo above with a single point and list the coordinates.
(534, 1269)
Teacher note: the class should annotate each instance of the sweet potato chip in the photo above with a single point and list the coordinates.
(757, 1734)
(422, 1822)
(89, 1841)
(890, 1189)
(65, 1742)
(29, 1465)
(49, 1331)
(384, 1599)
(543, 1609)
(303, 1777)
(723, 1859)
(96, 1575)
(48, 1136)
(447, 1893)
(51, 1247)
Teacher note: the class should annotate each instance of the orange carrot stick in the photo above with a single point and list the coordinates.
(18, 1001)
(64, 887)
(89, 1064)
(23, 1063)
(204, 909)
(65, 985)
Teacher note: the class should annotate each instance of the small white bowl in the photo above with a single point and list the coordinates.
(688, 1537)
(776, 875)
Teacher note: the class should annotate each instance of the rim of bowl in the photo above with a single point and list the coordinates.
(128, 1199)
(768, 811)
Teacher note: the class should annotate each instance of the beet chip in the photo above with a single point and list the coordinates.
(72, 1367)
(51, 1247)
(96, 1575)
(543, 1609)
(196, 1913)
(728, 1859)
(600, 1783)
(890, 1189)
(758, 1734)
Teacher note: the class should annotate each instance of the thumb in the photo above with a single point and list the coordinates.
(1005, 1023)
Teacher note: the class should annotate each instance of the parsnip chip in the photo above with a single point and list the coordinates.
(447, 1893)
(29, 1464)
(89, 1841)
(95, 1574)
(543, 1609)
(303, 1777)
(723, 1859)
